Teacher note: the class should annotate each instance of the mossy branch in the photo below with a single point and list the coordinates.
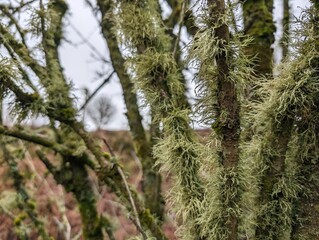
(141, 144)
(24, 73)
(27, 136)
(22, 51)
(4, 9)
(25, 203)
(158, 76)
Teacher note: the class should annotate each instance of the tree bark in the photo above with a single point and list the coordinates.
(258, 23)
(269, 219)
(151, 182)
(286, 28)
(306, 211)
(227, 124)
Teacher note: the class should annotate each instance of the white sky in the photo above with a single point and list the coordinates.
(80, 68)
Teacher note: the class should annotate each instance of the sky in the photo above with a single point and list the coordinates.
(81, 68)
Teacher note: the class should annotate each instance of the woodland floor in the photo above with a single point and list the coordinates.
(53, 202)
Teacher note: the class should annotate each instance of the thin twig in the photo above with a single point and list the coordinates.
(138, 227)
(140, 167)
(180, 23)
(89, 44)
(96, 90)
(23, 72)
(21, 32)
(18, 8)
(137, 221)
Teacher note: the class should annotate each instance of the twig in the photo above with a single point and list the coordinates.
(94, 10)
(23, 52)
(109, 147)
(180, 23)
(77, 236)
(23, 72)
(21, 32)
(137, 221)
(96, 90)
(138, 227)
(139, 164)
(18, 8)
(87, 42)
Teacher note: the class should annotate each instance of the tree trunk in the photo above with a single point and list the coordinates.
(286, 28)
(227, 124)
(307, 207)
(258, 23)
(270, 217)
(1, 107)
(151, 182)
(306, 214)
(75, 179)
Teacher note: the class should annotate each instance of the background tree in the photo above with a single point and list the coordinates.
(100, 111)
(286, 22)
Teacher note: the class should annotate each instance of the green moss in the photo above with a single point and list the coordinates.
(259, 24)
(106, 155)
(19, 219)
(147, 219)
(74, 177)
(157, 75)
(31, 204)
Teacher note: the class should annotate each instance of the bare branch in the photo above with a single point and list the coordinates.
(137, 221)
(97, 90)
(89, 44)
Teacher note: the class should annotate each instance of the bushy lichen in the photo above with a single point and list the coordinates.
(275, 158)
(156, 74)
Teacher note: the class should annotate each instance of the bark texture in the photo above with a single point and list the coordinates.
(286, 28)
(151, 182)
(227, 124)
(258, 23)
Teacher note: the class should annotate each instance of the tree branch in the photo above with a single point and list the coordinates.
(137, 221)
(22, 51)
(33, 138)
(97, 90)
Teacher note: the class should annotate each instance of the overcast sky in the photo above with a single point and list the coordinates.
(80, 67)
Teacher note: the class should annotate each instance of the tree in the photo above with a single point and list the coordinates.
(256, 178)
(101, 111)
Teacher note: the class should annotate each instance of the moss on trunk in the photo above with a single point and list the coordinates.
(286, 28)
(270, 219)
(227, 123)
(74, 177)
(306, 213)
(306, 210)
(258, 23)
(151, 182)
